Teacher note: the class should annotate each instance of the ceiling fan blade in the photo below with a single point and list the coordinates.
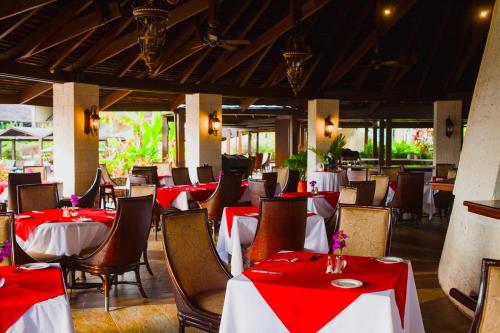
(237, 41)
(227, 47)
(199, 46)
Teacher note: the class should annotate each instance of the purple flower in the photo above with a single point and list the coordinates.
(74, 200)
(312, 183)
(5, 250)
(339, 239)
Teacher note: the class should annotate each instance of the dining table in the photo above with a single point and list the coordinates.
(49, 232)
(327, 180)
(322, 203)
(428, 206)
(238, 228)
(292, 292)
(34, 300)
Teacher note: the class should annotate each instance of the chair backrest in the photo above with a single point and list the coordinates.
(226, 194)
(127, 239)
(409, 191)
(348, 195)
(142, 190)
(15, 179)
(391, 172)
(442, 169)
(366, 191)
(137, 180)
(151, 172)
(356, 175)
(180, 176)
(282, 226)
(258, 161)
(486, 318)
(90, 199)
(368, 228)
(187, 269)
(5, 235)
(105, 177)
(205, 174)
(36, 169)
(272, 182)
(257, 188)
(452, 173)
(164, 168)
(381, 187)
(292, 182)
(282, 175)
(32, 197)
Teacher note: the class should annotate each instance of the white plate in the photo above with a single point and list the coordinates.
(390, 260)
(252, 214)
(82, 219)
(36, 265)
(20, 217)
(347, 283)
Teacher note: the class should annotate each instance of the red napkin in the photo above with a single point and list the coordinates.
(303, 297)
(24, 289)
(231, 212)
(24, 227)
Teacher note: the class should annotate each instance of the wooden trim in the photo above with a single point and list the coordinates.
(489, 208)
(11, 8)
(442, 186)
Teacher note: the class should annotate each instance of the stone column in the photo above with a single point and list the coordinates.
(447, 149)
(471, 237)
(317, 111)
(283, 138)
(201, 147)
(76, 154)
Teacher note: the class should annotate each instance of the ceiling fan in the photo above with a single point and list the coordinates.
(212, 38)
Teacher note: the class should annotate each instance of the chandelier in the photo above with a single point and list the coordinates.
(295, 54)
(151, 17)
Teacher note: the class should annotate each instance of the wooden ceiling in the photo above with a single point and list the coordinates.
(440, 44)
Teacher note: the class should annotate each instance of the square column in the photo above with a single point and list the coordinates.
(447, 149)
(76, 154)
(202, 147)
(286, 138)
(317, 111)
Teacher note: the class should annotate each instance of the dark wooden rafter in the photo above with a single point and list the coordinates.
(66, 49)
(247, 73)
(33, 92)
(176, 101)
(14, 22)
(129, 60)
(13, 8)
(113, 98)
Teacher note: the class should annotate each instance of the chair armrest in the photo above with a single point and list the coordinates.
(463, 299)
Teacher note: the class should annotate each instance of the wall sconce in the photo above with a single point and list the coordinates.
(328, 127)
(213, 124)
(91, 121)
(449, 127)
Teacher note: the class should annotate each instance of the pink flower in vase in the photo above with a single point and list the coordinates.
(74, 200)
(312, 183)
(5, 250)
(339, 241)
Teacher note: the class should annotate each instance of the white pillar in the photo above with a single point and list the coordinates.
(317, 111)
(447, 149)
(201, 147)
(283, 138)
(76, 154)
(471, 237)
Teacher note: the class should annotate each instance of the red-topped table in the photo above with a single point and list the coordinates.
(298, 296)
(322, 203)
(34, 301)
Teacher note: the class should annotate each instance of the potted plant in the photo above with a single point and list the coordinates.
(331, 157)
(298, 162)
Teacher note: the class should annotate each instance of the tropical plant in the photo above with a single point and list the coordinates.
(298, 162)
(367, 150)
(334, 150)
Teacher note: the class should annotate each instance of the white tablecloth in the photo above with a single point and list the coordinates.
(243, 232)
(64, 238)
(327, 181)
(320, 206)
(245, 310)
(428, 207)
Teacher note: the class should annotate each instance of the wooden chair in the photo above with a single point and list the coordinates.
(6, 234)
(36, 169)
(409, 194)
(180, 176)
(368, 228)
(199, 299)
(292, 182)
(257, 165)
(452, 173)
(151, 173)
(226, 194)
(137, 180)
(281, 226)
(15, 179)
(272, 181)
(90, 199)
(257, 189)
(348, 195)
(391, 172)
(205, 174)
(366, 191)
(486, 318)
(121, 251)
(32, 197)
(442, 169)
(381, 188)
(282, 175)
(109, 190)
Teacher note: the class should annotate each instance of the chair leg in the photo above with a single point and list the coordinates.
(107, 285)
(146, 261)
(139, 283)
(182, 325)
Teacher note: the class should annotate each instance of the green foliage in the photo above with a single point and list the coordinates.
(367, 150)
(402, 149)
(298, 162)
(335, 149)
(320, 154)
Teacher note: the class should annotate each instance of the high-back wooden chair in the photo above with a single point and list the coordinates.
(348, 195)
(442, 169)
(36, 169)
(366, 191)
(292, 181)
(368, 228)
(281, 226)
(205, 174)
(381, 188)
(257, 189)
(15, 179)
(199, 300)
(151, 173)
(32, 197)
(282, 175)
(391, 172)
(258, 161)
(271, 179)
(409, 194)
(6, 235)
(180, 176)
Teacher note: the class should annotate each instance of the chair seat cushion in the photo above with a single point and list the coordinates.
(211, 301)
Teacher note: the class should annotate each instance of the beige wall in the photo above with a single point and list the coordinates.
(447, 149)
(317, 110)
(200, 147)
(76, 155)
(471, 237)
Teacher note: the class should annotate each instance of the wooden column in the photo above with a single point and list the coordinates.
(180, 120)
(381, 142)
(257, 143)
(249, 150)
(164, 137)
(388, 142)
(374, 140)
(366, 135)
(13, 152)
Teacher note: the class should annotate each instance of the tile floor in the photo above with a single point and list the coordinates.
(131, 313)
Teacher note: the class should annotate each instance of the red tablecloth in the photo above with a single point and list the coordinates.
(24, 289)
(25, 226)
(331, 197)
(305, 300)
(393, 185)
(3, 186)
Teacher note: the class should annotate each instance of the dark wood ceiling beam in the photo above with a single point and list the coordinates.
(129, 60)
(245, 104)
(115, 47)
(113, 98)
(16, 7)
(178, 56)
(33, 92)
(176, 101)
(66, 49)
(284, 25)
(254, 64)
(13, 23)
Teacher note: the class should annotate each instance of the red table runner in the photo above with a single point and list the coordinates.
(303, 297)
(331, 197)
(24, 227)
(24, 289)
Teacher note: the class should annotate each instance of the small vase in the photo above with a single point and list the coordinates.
(314, 190)
(302, 186)
(340, 264)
